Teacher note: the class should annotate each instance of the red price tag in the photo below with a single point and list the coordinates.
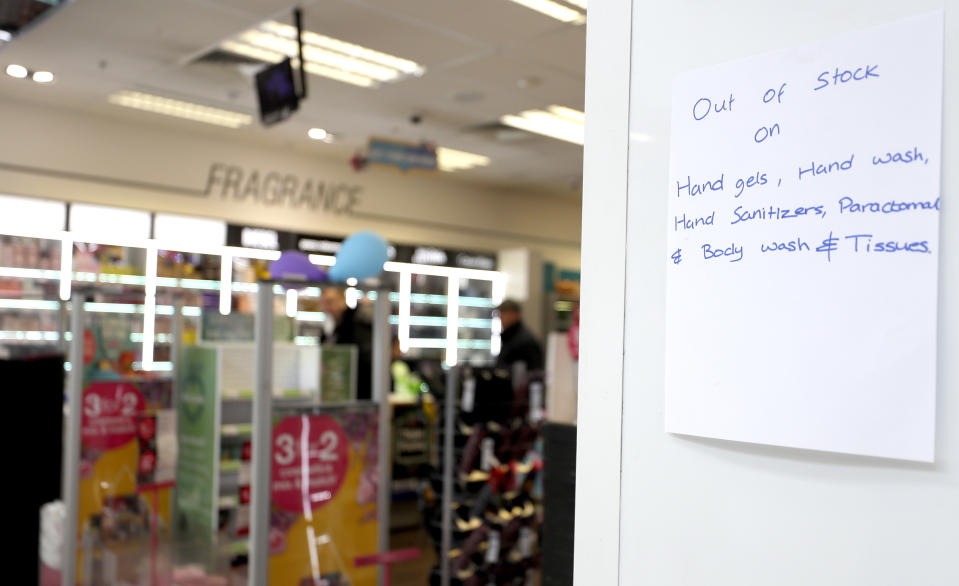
(110, 412)
(247, 451)
(245, 495)
(297, 486)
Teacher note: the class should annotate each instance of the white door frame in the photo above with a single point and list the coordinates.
(602, 299)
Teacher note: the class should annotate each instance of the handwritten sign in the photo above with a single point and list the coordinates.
(803, 231)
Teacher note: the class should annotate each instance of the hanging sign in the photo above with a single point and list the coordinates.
(403, 156)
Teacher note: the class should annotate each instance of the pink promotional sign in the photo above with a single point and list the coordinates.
(110, 412)
(310, 460)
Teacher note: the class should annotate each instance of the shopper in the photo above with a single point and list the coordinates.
(345, 326)
(519, 345)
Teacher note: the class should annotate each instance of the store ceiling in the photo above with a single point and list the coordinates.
(483, 59)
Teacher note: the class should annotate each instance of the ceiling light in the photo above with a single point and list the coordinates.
(18, 71)
(360, 52)
(556, 121)
(272, 42)
(180, 109)
(454, 160)
(5, 36)
(554, 9)
(252, 52)
(42, 76)
(339, 75)
(580, 3)
(319, 56)
(318, 134)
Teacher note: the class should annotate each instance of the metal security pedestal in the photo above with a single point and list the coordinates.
(263, 423)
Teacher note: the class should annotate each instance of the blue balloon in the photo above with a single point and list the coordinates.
(361, 256)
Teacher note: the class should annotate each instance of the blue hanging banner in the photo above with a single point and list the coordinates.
(403, 156)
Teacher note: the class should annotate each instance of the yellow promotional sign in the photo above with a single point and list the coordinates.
(324, 481)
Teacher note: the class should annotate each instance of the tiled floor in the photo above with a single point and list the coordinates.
(417, 572)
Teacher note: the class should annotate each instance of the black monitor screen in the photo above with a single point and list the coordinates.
(277, 92)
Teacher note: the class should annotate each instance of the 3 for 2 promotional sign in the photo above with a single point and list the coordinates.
(310, 459)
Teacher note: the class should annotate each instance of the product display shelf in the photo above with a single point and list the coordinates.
(222, 277)
(230, 368)
(486, 525)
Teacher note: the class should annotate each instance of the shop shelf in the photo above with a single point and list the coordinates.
(231, 465)
(228, 502)
(25, 273)
(28, 336)
(236, 430)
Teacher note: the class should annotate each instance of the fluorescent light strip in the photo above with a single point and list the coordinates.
(323, 260)
(580, 3)
(352, 297)
(66, 267)
(256, 253)
(406, 288)
(203, 284)
(477, 274)
(357, 51)
(440, 343)
(291, 302)
(338, 75)
(441, 322)
(574, 116)
(226, 284)
(325, 56)
(48, 336)
(180, 109)
(452, 315)
(156, 367)
(149, 307)
(252, 52)
(554, 10)
(475, 344)
(311, 316)
(453, 160)
(499, 293)
(37, 304)
(428, 343)
(557, 122)
(269, 56)
(319, 56)
(137, 338)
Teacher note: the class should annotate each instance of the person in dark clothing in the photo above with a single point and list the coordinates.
(518, 343)
(344, 326)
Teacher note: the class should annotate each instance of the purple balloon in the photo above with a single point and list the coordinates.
(293, 265)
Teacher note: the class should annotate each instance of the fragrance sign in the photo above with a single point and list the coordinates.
(273, 188)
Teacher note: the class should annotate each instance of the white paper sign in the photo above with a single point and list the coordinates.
(803, 234)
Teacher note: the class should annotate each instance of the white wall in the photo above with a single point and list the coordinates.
(700, 512)
(524, 284)
(42, 143)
